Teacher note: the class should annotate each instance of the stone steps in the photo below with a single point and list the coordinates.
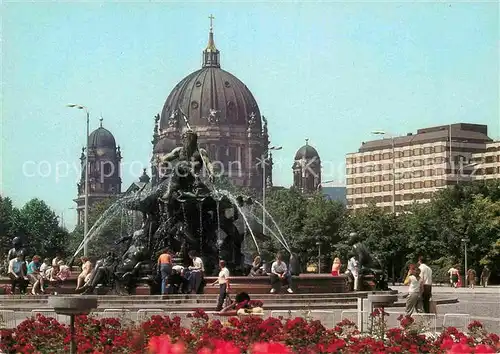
(206, 303)
(188, 307)
(289, 297)
(304, 283)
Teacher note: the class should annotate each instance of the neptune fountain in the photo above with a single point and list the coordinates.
(182, 213)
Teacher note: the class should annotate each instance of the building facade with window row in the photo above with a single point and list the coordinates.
(409, 169)
(487, 163)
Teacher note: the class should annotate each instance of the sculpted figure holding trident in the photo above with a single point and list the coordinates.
(185, 174)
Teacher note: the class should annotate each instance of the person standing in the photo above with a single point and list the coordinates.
(426, 276)
(414, 288)
(454, 275)
(471, 278)
(197, 272)
(223, 281)
(485, 275)
(165, 269)
(352, 267)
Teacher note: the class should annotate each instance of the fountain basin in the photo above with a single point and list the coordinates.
(66, 305)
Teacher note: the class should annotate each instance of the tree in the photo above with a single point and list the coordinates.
(382, 233)
(7, 214)
(288, 209)
(322, 222)
(39, 227)
(492, 258)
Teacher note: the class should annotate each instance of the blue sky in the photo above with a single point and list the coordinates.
(330, 72)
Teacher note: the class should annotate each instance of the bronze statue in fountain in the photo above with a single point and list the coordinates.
(182, 213)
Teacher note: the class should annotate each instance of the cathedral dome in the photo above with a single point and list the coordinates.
(101, 137)
(211, 96)
(306, 152)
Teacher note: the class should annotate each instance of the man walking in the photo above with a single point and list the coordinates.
(426, 278)
(485, 275)
(222, 280)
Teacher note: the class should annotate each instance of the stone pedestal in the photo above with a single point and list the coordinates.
(377, 301)
(71, 306)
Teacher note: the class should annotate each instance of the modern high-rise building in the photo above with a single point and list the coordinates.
(396, 171)
(487, 163)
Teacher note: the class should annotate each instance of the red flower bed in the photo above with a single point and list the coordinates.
(164, 335)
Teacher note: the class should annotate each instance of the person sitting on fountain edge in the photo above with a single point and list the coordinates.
(280, 274)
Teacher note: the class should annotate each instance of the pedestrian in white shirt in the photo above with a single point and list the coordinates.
(196, 273)
(280, 274)
(223, 281)
(352, 267)
(454, 274)
(414, 288)
(426, 276)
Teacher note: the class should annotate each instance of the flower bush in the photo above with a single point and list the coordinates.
(252, 335)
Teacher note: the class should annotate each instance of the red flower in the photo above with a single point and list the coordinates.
(269, 348)
(162, 345)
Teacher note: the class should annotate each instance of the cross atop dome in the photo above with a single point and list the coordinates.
(211, 17)
(211, 54)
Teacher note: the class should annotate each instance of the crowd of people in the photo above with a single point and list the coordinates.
(39, 274)
(471, 278)
(191, 280)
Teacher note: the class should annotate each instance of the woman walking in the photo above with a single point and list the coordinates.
(415, 288)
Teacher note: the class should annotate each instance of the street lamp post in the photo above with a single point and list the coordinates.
(264, 184)
(464, 240)
(379, 132)
(86, 210)
(319, 256)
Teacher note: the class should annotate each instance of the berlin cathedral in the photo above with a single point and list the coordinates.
(230, 127)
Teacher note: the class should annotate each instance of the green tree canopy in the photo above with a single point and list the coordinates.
(38, 225)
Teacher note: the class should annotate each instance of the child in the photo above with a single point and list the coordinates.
(336, 267)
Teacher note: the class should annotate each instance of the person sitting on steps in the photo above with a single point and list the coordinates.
(84, 275)
(280, 275)
(17, 275)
